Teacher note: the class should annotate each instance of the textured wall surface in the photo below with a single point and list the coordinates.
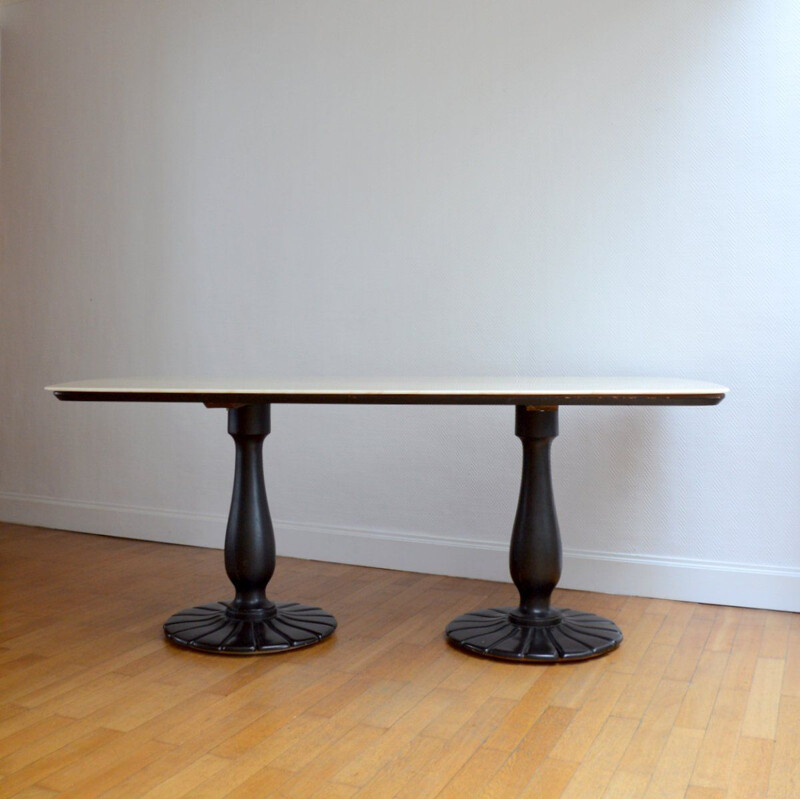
(223, 187)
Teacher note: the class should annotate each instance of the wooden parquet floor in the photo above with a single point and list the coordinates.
(700, 701)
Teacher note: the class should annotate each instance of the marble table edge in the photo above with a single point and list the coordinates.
(502, 390)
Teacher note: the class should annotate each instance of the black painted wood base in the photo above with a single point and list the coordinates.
(250, 624)
(535, 630)
(214, 629)
(493, 632)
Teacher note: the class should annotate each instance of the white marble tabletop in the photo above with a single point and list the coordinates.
(450, 390)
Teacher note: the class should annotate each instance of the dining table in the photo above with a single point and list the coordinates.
(531, 630)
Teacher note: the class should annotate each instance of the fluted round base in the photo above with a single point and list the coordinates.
(493, 632)
(211, 629)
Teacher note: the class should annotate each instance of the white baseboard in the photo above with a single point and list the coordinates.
(750, 585)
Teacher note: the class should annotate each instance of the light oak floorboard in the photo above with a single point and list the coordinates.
(699, 701)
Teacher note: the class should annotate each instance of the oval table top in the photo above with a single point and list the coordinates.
(531, 391)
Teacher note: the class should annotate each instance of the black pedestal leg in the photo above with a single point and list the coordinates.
(535, 630)
(250, 623)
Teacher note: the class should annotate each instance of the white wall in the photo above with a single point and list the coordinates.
(223, 187)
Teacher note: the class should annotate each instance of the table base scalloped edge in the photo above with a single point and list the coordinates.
(211, 629)
(492, 632)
